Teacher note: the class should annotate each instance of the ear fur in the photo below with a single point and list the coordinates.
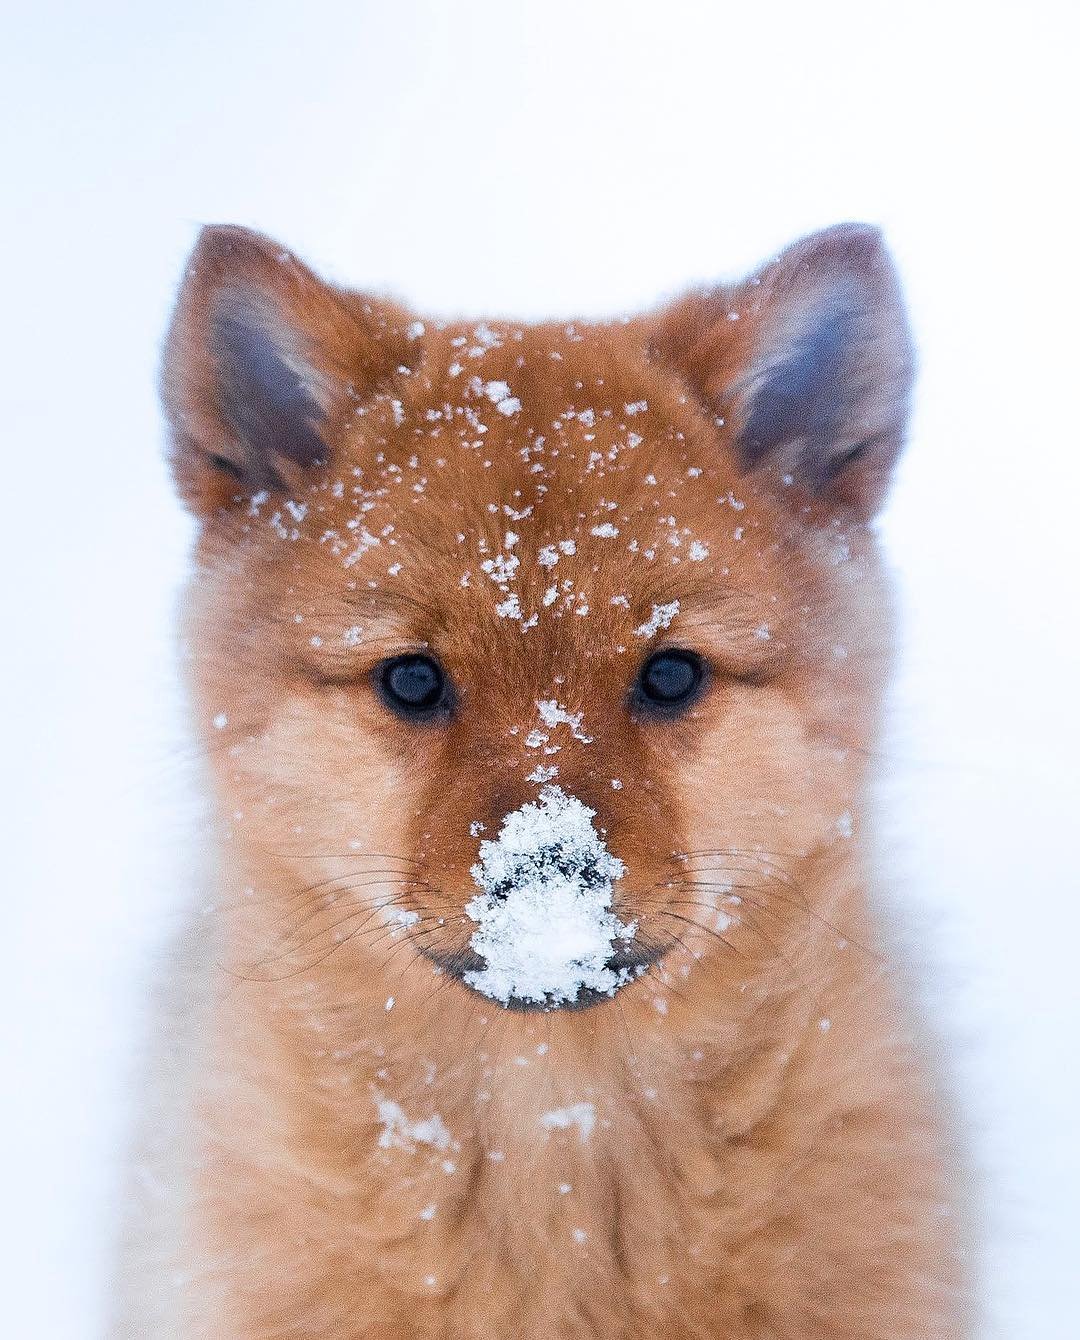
(260, 357)
(808, 363)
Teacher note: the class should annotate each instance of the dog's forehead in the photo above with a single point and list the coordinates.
(525, 474)
(549, 431)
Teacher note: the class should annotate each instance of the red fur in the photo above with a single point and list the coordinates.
(768, 1159)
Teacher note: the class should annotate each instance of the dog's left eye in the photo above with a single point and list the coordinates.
(413, 686)
(669, 681)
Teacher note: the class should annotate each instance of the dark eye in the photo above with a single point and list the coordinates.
(669, 681)
(413, 686)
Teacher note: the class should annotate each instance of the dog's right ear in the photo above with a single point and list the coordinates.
(261, 360)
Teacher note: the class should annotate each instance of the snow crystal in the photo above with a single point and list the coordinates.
(501, 568)
(661, 617)
(581, 1115)
(400, 1133)
(698, 551)
(220, 721)
(553, 714)
(606, 531)
(485, 339)
(545, 928)
(637, 407)
(499, 395)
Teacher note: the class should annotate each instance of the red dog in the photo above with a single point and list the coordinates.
(538, 668)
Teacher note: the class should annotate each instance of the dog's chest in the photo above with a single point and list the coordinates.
(533, 1207)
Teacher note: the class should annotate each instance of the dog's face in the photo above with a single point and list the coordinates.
(548, 650)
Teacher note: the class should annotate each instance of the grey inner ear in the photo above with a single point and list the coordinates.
(808, 392)
(264, 400)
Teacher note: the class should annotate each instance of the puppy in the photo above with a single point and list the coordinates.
(538, 670)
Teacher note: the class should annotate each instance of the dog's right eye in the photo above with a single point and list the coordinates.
(414, 686)
(670, 681)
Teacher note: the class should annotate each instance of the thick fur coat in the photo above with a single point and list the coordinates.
(743, 1142)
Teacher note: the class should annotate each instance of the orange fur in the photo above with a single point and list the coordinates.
(767, 1158)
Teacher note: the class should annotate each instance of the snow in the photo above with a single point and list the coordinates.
(553, 714)
(399, 1132)
(661, 617)
(580, 1115)
(545, 928)
(499, 395)
(501, 568)
(984, 738)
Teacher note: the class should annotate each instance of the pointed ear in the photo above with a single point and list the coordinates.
(808, 363)
(260, 360)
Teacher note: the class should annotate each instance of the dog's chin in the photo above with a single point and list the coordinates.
(626, 965)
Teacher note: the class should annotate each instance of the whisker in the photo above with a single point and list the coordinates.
(690, 921)
(331, 899)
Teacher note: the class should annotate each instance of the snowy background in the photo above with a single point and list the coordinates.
(538, 158)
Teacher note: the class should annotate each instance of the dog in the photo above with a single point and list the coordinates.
(538, 670)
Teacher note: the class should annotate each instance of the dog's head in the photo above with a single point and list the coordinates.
(546, 650)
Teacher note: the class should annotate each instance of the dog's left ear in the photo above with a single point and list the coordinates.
(808, 364)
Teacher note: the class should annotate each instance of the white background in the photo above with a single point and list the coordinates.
(557, 157)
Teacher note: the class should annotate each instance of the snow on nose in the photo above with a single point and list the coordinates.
(545, 928)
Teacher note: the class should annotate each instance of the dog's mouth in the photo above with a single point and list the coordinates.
(625, 964)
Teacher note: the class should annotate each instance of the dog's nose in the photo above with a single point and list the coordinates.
(552, 864)
(546, 846)
(546, 929)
